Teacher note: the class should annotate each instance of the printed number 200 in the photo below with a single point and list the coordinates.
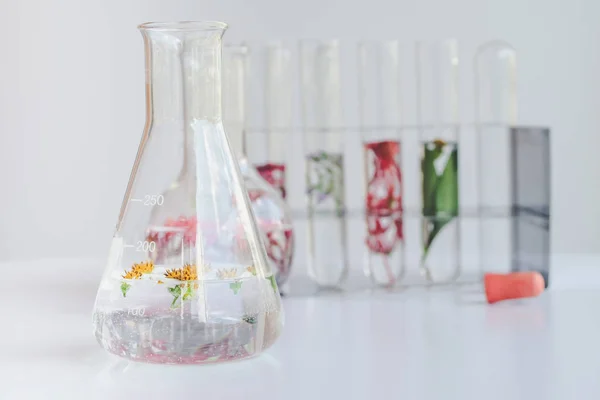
(145, 246)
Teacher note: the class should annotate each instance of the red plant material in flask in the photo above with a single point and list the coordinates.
(171, 236)
(217, 352)
(233, 345)
(175, 234)
(275, 175)
(384, 197)
(181, 232)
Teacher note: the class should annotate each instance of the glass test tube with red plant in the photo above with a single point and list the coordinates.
(278, 114)
(379, 96)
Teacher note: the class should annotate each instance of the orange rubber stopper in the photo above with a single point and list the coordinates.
(516, 285)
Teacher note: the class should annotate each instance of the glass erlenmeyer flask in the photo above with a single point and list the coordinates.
(187, 279)
(272, 213)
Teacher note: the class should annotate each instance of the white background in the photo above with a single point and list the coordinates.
(72, 97)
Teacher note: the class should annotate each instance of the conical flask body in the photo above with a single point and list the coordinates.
(272, 213)
(188, 279)
(273, 219)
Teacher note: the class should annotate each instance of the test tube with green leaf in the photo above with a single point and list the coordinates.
(437, 113)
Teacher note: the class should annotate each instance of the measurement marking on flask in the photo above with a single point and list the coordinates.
(128, 245)
(136, 311)
(145, 246)
(151, 200)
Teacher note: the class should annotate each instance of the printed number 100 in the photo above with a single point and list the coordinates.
(136, 311)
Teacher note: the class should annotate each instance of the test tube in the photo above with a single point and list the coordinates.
(531, 200)
(323, 129)
(437, 116)
(379, 118)
(278, 113)
(514, 170)
(234, 70)
(495, 111)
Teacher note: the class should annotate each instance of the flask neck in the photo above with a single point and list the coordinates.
(234, 97)
(183, 76)
(183, 84)
(237, 140)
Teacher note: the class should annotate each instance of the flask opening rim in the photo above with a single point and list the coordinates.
(183, 26)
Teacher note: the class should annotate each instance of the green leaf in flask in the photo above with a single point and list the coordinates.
(235, 286)
(189, 292)
(125, 288)
(176, 293)
(271, 279)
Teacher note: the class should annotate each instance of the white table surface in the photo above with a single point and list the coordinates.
(411, 344)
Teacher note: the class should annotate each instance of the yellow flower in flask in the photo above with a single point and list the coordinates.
(145, 267)
(136, 272)
(187, 273)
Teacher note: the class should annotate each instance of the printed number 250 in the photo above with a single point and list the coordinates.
(154, 200)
